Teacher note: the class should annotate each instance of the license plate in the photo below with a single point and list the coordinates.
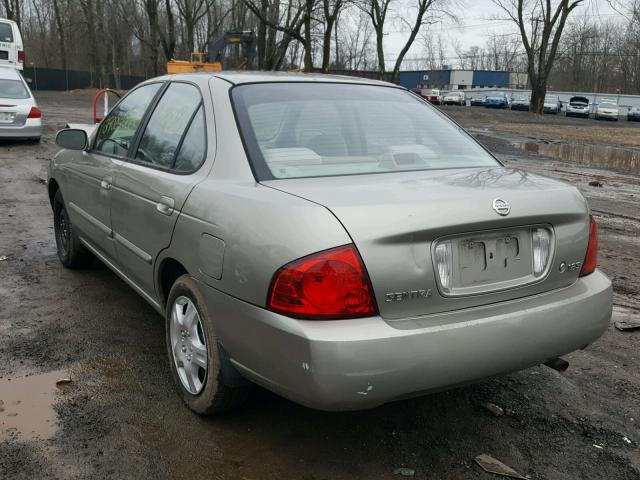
(7, 117)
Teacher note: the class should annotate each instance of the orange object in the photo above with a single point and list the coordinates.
(197, 63)
(105, 92)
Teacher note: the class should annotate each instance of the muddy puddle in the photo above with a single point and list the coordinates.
(26, 405)
(618, 158)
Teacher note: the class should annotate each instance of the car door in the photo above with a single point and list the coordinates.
(90, 175)
(153, 184)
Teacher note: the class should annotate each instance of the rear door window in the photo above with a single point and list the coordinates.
(118, 129)
(166, 127)
(6, 32)
(194, 145)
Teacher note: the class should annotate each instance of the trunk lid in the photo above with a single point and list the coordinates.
(396, 219)
(14, 112)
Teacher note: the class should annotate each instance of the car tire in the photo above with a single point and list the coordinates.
(71, 252)
(208, 384)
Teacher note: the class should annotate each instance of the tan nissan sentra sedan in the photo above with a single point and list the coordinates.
(338, 241)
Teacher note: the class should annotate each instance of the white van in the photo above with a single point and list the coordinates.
(11, 49)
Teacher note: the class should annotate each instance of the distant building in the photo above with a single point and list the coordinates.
(462, 79)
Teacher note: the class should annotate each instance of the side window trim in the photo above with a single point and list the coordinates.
(152, 105)
(133, 148)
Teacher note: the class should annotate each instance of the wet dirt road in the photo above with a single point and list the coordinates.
(120, 418)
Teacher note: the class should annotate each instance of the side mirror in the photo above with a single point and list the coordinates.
(72, 139)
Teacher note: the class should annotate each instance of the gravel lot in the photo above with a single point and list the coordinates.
(119, 417)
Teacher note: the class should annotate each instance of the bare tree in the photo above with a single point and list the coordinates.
(296, 24)
(541, 39)
(13, 10)
(331, 10)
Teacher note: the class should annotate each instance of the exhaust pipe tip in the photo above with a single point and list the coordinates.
(558, 364)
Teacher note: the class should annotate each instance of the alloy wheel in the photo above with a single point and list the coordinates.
(188, 345)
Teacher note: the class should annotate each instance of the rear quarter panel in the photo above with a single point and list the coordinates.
(256, 229)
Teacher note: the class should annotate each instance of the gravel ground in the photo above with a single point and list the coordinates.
(120, 418)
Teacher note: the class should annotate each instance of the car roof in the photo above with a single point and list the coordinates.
(243, 77)
(9, 73)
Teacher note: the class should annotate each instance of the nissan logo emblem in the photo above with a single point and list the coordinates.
(501, 207)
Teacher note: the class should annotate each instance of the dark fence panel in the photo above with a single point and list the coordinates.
(56, 79)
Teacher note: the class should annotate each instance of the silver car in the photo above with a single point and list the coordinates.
(454, 98)
(578, 106)
(307, 233)
(20, 116)
(608, 110)
(552, 104)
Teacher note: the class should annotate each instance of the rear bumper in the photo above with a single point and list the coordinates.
(356, 364)
(31, 129)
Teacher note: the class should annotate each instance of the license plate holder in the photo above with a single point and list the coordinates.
(489, 261)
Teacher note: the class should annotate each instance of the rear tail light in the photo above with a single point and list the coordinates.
(444, 263)
(332, 284)
(21, 56)
(591, 258)
(541, 243)
(35, 113)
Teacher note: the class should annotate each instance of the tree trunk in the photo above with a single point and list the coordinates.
(380, 49)
(169, 41)
(61, 33)
(326, 45)
(262, 35)
(538, 93)
(308, 46)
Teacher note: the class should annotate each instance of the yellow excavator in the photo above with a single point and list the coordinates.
(210, 61)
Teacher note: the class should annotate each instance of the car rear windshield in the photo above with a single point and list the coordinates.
(14, 89)
(6, 32)
(294, 130)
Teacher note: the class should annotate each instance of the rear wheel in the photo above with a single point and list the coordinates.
(71, 252)
(198, 363)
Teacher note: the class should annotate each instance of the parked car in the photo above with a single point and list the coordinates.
(633, 114)
(496, 100)
(520, 102)
(552, 104)
(431, 95)
(578, 106)
(608, 110)
(477, 100)
(260, 238)
(20, 116)
(11, 49)
(454, 98)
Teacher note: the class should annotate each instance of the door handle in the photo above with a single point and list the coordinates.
(106, 183)
(165, 205)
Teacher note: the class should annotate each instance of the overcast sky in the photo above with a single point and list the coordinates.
(477, 20)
